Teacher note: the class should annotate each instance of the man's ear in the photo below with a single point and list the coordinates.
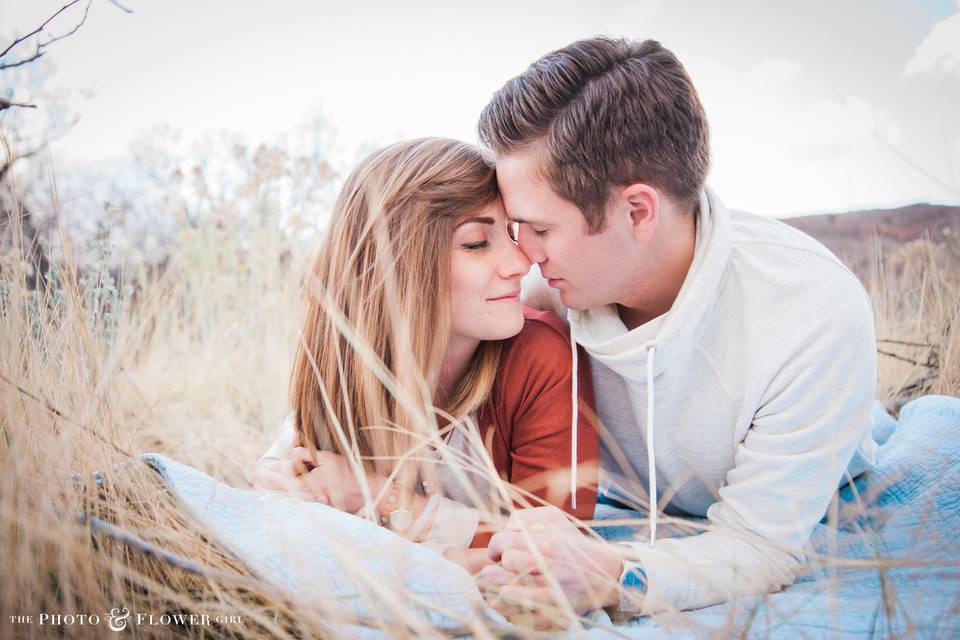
(643, 203)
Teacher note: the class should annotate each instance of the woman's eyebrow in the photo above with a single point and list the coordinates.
(481, 220)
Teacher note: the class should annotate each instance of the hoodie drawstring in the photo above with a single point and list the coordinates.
(574, 420)
(651, 461)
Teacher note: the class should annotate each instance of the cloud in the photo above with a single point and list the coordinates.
(775, 103)
(837, 127)
(940, 50)
(783, 145)
(777, 72)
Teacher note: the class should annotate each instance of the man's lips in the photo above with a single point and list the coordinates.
(513, 295)
(553, 282)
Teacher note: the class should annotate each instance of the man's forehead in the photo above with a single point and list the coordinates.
(519, 170)
(528, 220)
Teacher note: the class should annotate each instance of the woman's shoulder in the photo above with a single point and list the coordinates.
(542, 326)
(544, 342)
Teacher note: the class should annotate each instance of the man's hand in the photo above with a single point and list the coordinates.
(328, 479)
(547, 567)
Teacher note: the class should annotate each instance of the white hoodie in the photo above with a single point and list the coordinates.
(763, 375)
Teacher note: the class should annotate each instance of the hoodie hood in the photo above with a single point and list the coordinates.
(642, 354)
(601, 332)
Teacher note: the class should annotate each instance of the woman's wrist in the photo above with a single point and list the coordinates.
(392, 499)
(423, 526)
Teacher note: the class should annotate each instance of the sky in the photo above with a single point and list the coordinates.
(813, 106)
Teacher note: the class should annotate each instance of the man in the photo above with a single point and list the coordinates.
(735, 348)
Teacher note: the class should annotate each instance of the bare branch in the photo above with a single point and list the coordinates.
(72, 31)
(40, 28)
(6, 104)
(905, 343)
(13, 159)
(36, 56)
(914, 362)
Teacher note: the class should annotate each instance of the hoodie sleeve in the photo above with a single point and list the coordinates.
(813, 413)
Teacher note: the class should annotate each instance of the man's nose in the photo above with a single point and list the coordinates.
(530, 245)
(515, 262)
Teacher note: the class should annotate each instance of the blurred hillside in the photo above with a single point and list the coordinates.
(858, 237)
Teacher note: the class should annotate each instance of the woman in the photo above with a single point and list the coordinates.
(421, 380)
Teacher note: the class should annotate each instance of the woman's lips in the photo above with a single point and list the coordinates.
(554, 282)
(506, 298)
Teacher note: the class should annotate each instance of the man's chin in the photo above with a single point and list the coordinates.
(572, 301)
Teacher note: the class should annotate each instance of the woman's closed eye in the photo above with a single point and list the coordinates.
(474, 246)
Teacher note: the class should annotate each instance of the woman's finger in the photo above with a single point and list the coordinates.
(303, 456)
(308, 496)
(303, 487)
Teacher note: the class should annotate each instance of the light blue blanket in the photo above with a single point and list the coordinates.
(912, 504)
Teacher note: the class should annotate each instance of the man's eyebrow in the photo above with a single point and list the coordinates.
(481, 220)
(526, 221)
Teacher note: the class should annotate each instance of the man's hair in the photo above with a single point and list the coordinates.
(603, 113)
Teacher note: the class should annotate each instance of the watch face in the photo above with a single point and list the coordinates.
(401, 519)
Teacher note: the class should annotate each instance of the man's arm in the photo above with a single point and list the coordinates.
(814, 413)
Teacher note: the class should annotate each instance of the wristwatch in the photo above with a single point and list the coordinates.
(633, 582)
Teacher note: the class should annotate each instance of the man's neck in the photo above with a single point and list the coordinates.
(655, 294)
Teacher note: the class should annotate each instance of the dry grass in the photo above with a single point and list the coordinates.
(916, 298)
(193, 363)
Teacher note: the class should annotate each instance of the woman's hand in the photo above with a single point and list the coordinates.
(290, 476)
(540, 549)
(473, 560)
(329, 479)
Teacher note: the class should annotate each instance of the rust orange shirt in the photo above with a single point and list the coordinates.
(526, 422)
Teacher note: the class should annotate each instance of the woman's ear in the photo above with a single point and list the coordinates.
(643, 203)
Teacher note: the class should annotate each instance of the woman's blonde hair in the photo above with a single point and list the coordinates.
(378, 312)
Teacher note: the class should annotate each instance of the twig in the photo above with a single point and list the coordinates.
(72, 31)
(904, 342)
(35, 56)
(40, 28)
(893, 355)
(11, 159)
(42, 45)
(6, 104)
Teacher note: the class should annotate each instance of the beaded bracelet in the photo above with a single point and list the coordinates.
(397, 518)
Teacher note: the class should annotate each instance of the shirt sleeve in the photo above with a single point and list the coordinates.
(815, 411)
(455, 525)
(537, 385)
(285, 441)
